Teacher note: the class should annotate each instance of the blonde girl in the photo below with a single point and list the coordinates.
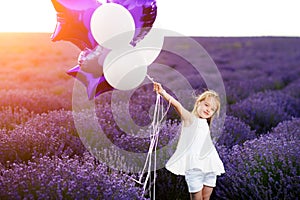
(195, 156)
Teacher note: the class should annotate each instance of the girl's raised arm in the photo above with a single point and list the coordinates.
(184, 114)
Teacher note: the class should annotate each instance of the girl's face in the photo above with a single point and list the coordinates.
(206, 108)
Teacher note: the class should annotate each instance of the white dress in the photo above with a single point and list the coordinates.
(195, 149)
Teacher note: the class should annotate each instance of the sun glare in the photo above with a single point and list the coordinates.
(190, 17)
(26, 16)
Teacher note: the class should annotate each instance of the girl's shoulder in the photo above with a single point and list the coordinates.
(193, 121)
(188, 119)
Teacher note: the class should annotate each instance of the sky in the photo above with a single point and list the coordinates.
(187, 17)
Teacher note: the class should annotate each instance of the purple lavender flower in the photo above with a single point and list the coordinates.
(263, 168)
(235, 132)
(265, 110)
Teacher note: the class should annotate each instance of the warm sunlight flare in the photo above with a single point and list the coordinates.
(27, 16)
(190, 17)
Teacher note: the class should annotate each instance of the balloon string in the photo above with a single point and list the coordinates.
(158, 116)
(151, 79)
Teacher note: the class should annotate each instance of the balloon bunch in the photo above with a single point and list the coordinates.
(112, 37)
(117, 43)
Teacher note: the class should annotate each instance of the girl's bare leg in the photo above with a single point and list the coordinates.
(206, 192)
(196, 195)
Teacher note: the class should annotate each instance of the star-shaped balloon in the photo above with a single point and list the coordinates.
(73, 22)
(94, 85)
(89, 71)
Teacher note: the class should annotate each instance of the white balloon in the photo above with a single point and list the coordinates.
(151, 46)
(125, 68)
(108, 24)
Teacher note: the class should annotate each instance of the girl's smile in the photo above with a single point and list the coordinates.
(206, 108)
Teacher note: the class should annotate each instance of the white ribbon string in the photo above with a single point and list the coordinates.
(158, 116)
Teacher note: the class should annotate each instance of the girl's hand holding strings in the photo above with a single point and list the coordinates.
(158, 88)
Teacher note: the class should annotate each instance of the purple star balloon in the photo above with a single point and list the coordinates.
(73, 25)
(73, 22)
(94, 85)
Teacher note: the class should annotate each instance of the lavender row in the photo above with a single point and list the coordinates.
(264, 110)
(66, 178)
(49, 134)
(264, 168)
(269, 161)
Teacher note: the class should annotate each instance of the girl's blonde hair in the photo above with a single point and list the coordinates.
(203, 96)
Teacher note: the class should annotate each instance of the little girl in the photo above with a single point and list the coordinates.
(196, 157)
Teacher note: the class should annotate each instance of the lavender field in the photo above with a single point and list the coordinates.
(43, 157)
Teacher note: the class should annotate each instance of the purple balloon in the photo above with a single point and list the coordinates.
(94, 85)
(144, 14)
(78, 4)
(73, 22)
